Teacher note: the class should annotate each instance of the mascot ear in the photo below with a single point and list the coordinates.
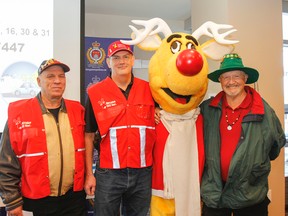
(150, 43)
(216, 51)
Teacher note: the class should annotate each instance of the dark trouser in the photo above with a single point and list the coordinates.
(260, 209)
(2, 211)
(72, 203)
(130, 186)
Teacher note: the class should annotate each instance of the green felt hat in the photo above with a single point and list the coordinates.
(233, 62)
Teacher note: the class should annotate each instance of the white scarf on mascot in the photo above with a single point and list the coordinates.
(180, 162)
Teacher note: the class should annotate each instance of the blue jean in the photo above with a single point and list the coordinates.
(130, 186)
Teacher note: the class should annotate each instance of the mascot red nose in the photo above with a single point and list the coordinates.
(178, 81)
(189, 62)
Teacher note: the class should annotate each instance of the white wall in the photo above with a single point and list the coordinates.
(67, 42)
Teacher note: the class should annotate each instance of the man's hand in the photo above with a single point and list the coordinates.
(15, 212)
(157, 115)
(90, 184)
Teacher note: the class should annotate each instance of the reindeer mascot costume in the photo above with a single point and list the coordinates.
(178, 81)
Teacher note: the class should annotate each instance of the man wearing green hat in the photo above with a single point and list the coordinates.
(242, 134)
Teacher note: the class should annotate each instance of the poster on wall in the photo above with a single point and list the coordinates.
(26, 39)
(96, 68)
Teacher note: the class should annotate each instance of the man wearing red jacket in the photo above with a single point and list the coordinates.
(42, 150)
(121, 107)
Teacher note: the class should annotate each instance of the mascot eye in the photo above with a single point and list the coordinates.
(190, 46)
(175, 47)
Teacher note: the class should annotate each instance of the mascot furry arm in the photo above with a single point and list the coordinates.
(178, 81)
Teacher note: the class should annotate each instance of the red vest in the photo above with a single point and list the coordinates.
(127, 127)
(28, 140)
(157, 172)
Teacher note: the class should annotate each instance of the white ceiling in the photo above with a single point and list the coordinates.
(165, 9)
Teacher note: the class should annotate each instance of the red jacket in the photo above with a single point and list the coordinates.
(127, 126)
(28, 140)
(162, 134)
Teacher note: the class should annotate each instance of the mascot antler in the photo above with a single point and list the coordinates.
(149, 25)
(149, 33)
(214, 27)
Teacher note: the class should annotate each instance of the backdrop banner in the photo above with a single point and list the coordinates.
(96, 68)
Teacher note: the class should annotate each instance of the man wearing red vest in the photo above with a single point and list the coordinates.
(42, 150)
(121, 107)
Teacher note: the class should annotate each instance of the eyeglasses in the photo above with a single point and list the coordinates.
(117, 58)
(227, 78)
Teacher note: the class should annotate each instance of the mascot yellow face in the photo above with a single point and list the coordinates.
(178, 74)
(178, 69)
